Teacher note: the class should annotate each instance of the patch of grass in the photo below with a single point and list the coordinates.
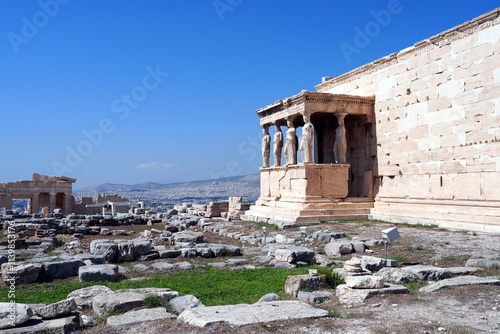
(332, 278)
(152, 301)
(400, 258)
(334, 314)
(419, 225)
(270, 327)
(413, 287)
(212, 286)
(260, 225)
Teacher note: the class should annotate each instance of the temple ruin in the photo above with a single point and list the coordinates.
(411, 137)
(50, 192)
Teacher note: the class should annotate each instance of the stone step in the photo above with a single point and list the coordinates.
(424, 212)
(473, 208)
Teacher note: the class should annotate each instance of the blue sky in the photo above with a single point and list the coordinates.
(157, 90)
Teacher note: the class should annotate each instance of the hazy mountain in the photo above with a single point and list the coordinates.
(246, 186)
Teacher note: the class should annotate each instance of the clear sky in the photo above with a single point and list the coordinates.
(129, 91)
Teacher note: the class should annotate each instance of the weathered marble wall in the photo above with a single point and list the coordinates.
(437, 127)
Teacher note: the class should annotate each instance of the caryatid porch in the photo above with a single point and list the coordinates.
(335, 153)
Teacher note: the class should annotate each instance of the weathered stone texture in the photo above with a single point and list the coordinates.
(436, 108)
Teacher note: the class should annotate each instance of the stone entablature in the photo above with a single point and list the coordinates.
(307, 103)
(53, 192)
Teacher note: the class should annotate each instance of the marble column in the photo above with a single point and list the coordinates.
(266, 145)
(52, 202)
(277, 145)
(67, 204)
(35, 203)
(340, 146)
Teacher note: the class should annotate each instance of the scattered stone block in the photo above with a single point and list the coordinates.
(246, 314)
(373, 242)
(119, 301)
(236, 261)
(13, 314)
(21, 273)
(358, 246)
(151, 256)
(391, 263)
(284, 255)
(297, 283)
(125, 252)
(413, 273)
(460, 271)
(269, 297)
(189, 253)
(188, 237)
(336, 248)
(61, 269)
(364, 282)
(459, 281)
(183, 265)
(64, 325)
(56, 310)
(89, 259)
(262, 258)
(100, 272)
(205, 252)
(314, 297)
(141, 247)
(181, 303)
(83, 297)
(164, 293)
(302, 254)
(140, 267)
(139, 316)
(163, 266)
(353, 265)
(327, 236)
(324, 261)
(107, 250)
(169, 253)
(482, 263)
(372, 263)
(349, 295)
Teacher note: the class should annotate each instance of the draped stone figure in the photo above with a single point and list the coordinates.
(291, 144)
(277, 145)
(266, 146)
(307, 140)
(340, 146)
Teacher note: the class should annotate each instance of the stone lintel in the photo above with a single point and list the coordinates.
(307, 103)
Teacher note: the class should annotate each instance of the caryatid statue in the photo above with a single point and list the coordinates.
(277, 145)
(291, 144)
(307, 140)
(266, 145)
(340, 146)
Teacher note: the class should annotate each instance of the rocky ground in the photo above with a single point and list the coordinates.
(472, 309)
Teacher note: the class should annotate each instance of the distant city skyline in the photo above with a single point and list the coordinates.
(164, 91)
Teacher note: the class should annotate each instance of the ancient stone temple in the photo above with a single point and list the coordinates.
(332, 178)
(52, 192)
(411, 137)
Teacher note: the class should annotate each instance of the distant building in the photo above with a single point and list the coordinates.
(51, 192)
